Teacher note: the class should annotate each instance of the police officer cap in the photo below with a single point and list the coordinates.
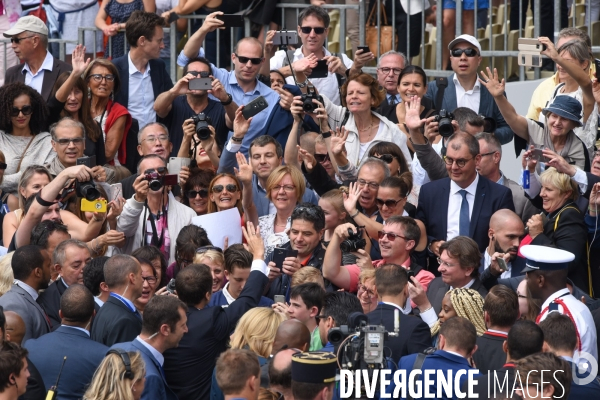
(543, 258)
(314, 367)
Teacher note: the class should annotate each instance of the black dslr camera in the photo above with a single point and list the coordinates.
(202, 122)
(354, 242)
(307, 99)
(155, 181)
(87, 189)
(444, 118)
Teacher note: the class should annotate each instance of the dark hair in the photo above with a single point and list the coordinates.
(264, 140)
(2, 320)
(193, 282)
(464, 138)
(339, 305)
(377, 91)
(390, 279)
(38, 119)
(149, 156)
(403, 183)
(465, 250)
(318, 12)
(153, 253)
(44, 229)
(411, 229)
(524, 338)
(502, 305)
(142, 23)
(190, 238)
(533, 366)
(459, 332)
(464, 116)
(93, 274)
(117, 269)
(103, 62)
(198, 177)
(12, 360)
(236, 256)
(77, 304)
(25, 260)
(308, 391)
(559, 332)
(197, 59)
(413, 69)
(161, 310)
(310, 293)
(234, 367)
(311, 213)
(276, 71)
(393, 149)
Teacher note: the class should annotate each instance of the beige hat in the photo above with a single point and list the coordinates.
(28, 23)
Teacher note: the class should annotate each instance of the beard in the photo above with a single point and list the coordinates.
(499, 249)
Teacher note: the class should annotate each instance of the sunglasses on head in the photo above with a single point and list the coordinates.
(306, 30)
(322, 157)
(191, 194)
(204, 249)
(26, 110)
(469, 52)
(388, 158)
(253, 60)
(231, 188)
(388, 203)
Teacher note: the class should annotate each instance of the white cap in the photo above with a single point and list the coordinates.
(545, 258)
(465, 38)
(29, 23)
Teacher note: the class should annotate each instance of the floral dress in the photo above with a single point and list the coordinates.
(271, 239)
(119, 13)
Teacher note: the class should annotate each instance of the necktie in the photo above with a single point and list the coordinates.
(463, 224)
(392, 100)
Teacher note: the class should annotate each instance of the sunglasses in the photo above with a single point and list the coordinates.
(322, 157)
(387, 203)
(99, 77)
(231, 188)
(160, 170)
(26, 110)
(469, 52)
(388, 158)
(306, 30)
(65, 141)
(253, 60)
(204, 249)
(17, 40)
(191, 194)
(391, 236)
(2, 165)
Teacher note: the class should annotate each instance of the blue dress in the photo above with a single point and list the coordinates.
(119, 13)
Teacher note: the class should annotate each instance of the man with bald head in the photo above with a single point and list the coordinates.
(15, 327)
(292, 334)
(280, 373)
(505, 233)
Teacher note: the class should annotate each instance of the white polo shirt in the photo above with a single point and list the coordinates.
(36, 80)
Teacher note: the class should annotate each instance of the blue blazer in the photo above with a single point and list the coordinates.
(516, 266)
(218, 299)
(433, 208)
(156, 387)
(83, 357)
(487, 107)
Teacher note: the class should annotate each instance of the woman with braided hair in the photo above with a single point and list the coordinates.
(466, 303)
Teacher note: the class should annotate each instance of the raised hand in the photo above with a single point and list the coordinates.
(218, 90)
(412, 119)
(296, 109)
(240, 123)
(255, 242)
(338, 140)
(268, 51)
(550, 50)
(244, 170)
(285, 98)
(212, 23)
(305, 64)
(493, 84)
(307, 158)
(78, 60)
(350, 199)
(335, 65)
(184, 175)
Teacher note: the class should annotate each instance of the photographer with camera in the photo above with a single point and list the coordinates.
(153, 215)
(199, 144)
(181, 103)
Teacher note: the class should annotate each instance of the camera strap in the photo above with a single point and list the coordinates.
(442, 84)
(156, 240)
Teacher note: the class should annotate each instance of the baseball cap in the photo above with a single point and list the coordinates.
(28, 23)
(465, 38)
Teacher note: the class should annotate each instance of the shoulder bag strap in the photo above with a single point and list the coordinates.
(23, 155)
(416, 366)
(442, 84)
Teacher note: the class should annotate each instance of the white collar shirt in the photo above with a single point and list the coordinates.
(454, 204)
(467, 98)
(32, 292)
(141, 94)
(36, 80)
(159, 357)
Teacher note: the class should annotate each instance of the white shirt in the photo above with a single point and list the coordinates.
(488, 261)
(583, 321)
(454, 204)
(227, 295)
(32, 292)
(328, 86)
(98, 301)
(36, 80)
(467, 98)
(159, 357)
(420, 176)
(407, 308)
(141, 95)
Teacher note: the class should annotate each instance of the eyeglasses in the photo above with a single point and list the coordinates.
(322, 157)
(469, 52)
(65, 142)
(388, 203)
(386, 70)
(191, 194)
(2, 165)
(286, 188)
(150, 279)
(26, 110)
(388, 158)
(17, 40)
(160, 170)
(184, 262)
(372, 185)
(391, 236)
(99, 77)
(204, 249)
(369, 292)
(596, 154)
(318, 30)
(442, 262)
(461, 162)
(152, 139)
(253, 60)
(486, 154)
(231, 188)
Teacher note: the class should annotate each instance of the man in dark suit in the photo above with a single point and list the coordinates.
(189, 367)
(31, 269)
(389, 68)
(142, 72)
(71, 341)
(505, 233)
(391, 281)
(118, 320)
(165, 323)
(29, 38)
(463, 203)
(69, 258)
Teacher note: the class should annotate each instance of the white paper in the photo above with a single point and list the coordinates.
(220, 225)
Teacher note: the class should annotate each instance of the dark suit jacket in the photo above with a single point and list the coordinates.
(188, 367)
(414, 337)
(487, 107)
(489, 355)
(50, 301)
(15, 74)
(115, 323)
(437, 290)
(433, 208)
(487, 389)
(161, 81)
(83, 357)
(19, 301)
(516, 266)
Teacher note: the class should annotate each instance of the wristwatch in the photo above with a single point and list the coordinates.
(326, 134)
(228, 101)
(302, 84)
(236, 140)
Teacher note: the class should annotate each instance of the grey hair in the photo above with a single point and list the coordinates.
(43, 38)
(26, 176)
(391, 53)
(66, 122)
(574, 32)
(491, 141)
(376, 162)
(141, 131)
(464, 138)
(464, 116)
(59, 255)
(578, 50)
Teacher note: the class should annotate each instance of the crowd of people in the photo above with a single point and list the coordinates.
(379, 195)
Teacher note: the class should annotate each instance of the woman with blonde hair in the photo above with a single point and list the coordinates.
(110, 381)
(367, 291)
(224, 192)
(6, 273)
(212, 257)
(466, 303)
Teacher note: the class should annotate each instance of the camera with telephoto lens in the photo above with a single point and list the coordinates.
(202, 122)
(307, 100)
(354, 242)
(87, 190)
(155, 181)
(444, 118)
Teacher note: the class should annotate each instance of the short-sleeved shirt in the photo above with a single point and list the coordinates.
(576, 153)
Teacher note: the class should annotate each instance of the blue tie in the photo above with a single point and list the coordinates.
(393, 100)
(463, 224)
